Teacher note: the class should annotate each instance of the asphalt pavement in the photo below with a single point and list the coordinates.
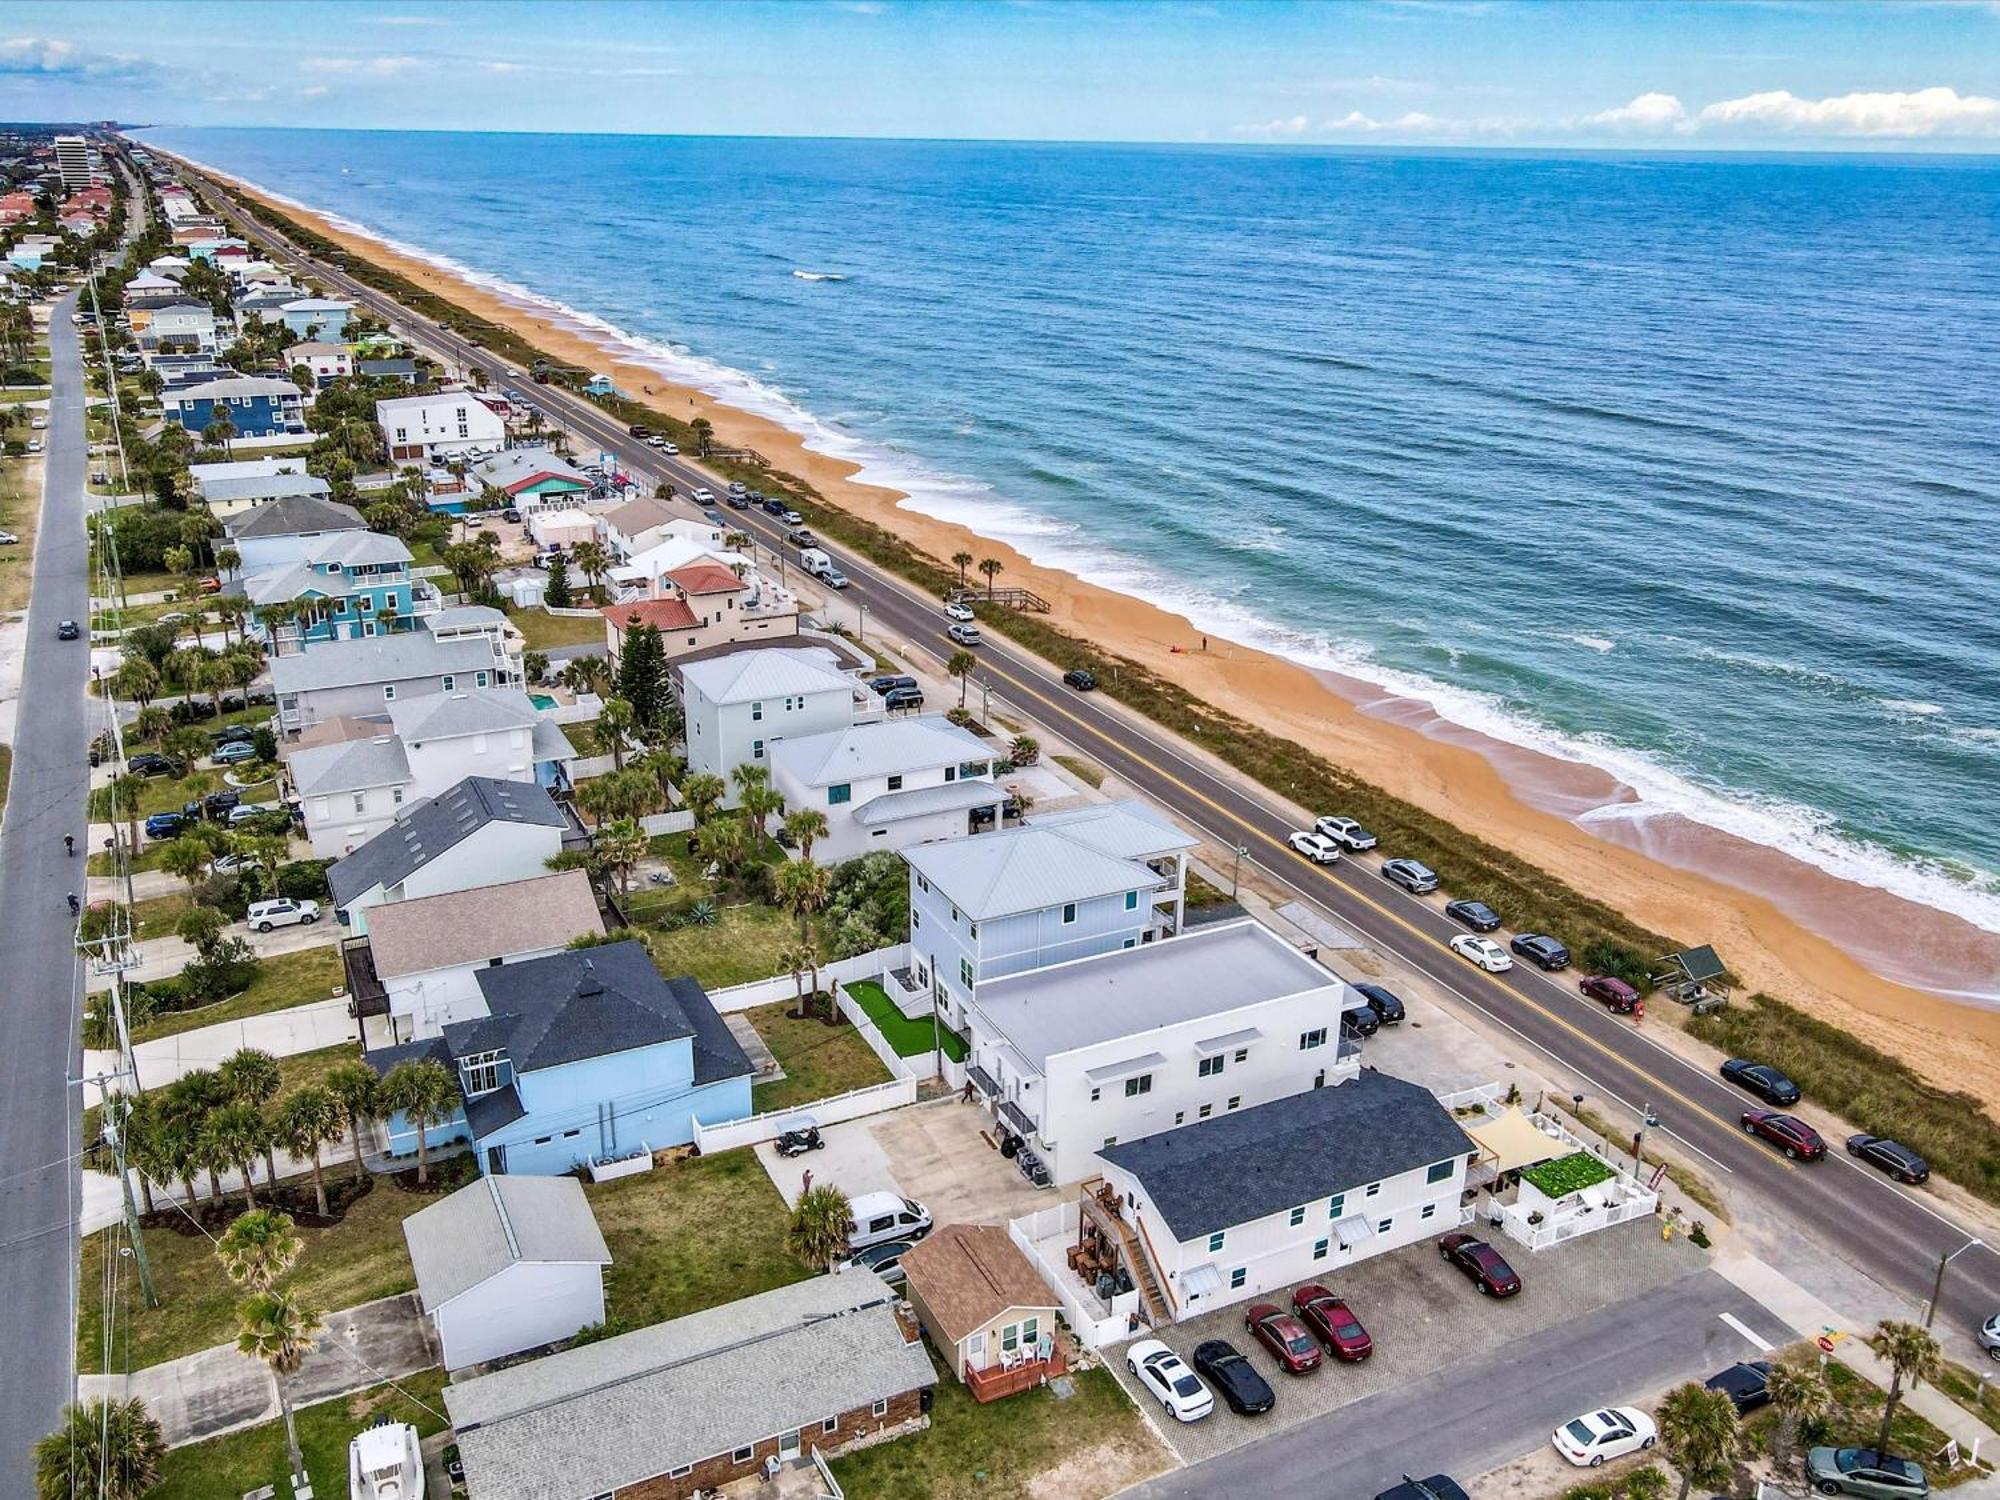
(39, 1118)
(1895, 1235)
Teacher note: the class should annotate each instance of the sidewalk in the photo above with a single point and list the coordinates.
(282, 1033)
(159, 957)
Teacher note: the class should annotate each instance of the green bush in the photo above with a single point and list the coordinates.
(1568, 1174)
(305, 880)
(1649, 1483)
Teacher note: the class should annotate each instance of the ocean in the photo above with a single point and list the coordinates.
(1685, 467)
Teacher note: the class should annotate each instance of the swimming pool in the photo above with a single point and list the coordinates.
(542, 701)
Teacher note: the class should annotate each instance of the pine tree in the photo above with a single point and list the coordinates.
(642, 675)
(557, 595)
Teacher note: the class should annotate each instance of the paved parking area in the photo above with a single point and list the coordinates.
(1425, 1317)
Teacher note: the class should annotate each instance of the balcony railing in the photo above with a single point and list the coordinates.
(996, 1381)
(366, 993)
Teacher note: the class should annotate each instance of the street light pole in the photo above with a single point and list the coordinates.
(1236, 870)
(1937, 1286)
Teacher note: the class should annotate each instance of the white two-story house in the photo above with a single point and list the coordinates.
(889, 785)
(1079, 1056)
(1247, 1203)
(1063, 886)
(439, 425)
(739, 704)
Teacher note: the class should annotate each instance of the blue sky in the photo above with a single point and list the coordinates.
(1760, 74)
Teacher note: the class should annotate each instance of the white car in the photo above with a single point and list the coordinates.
(34, 445)
(705, 495)
(1347, 832)
(1483, 951)
(1610, 1433)
(1171, 1382)
(264, 915)
(1316, 847)
(955, 610)
(656, 442)
(673, 448)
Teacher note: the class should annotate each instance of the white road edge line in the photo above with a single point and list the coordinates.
(1738, 1324)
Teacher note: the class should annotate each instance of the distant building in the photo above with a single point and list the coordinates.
(316, 317)
(327, 362)
(261, 410)
(533, 479)
(737, 704)
(438, 425)
(73, 161)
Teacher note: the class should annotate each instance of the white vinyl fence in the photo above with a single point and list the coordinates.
(656, 824)
(852, 1105)
(898, 1066)
(781, 986)
(1086, 1316)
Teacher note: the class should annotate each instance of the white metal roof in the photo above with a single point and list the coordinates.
(763, 674)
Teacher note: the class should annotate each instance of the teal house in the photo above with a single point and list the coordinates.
(349, 585)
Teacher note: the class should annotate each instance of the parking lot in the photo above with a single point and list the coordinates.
(1424, 1317)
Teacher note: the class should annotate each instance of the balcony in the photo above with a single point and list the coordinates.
(365, 991)
(996, 1381)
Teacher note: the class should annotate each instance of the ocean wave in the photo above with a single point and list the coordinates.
(819, 275)
(1595, 643)
(1913, 709)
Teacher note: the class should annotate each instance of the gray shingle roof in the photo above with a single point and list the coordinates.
(349, 766)
(396, 657)
(497, 1222)
(880, 749)
(430, 828)
(610, 1414)
(1234, 1168)
(487, 922)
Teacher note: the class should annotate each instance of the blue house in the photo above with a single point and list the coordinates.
(350, 584)
(258, 406)
(582, 1055)
(316, 318)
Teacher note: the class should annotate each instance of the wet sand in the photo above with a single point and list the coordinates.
(1884, 973)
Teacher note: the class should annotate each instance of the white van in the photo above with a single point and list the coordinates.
(878, 1217)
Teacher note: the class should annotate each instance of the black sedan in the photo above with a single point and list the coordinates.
(1226, 1368)
(1893, 1157)
(68, 630)
(1541, 950)
(1474, 914)
(1747, 1385)
(1387, 1004)
(1761, 1079)
(1079, 679)
(1437, 1487)
(150, 764)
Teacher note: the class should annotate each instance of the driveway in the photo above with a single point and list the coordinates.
(1425, 1317)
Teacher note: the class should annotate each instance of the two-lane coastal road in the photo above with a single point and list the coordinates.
(1891, 1233)
(42, 989)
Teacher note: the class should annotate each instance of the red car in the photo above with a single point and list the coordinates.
(1485, 1265)
(1788, 1133)
(1333, 1320)
(1284, 1335)
(1617, 995)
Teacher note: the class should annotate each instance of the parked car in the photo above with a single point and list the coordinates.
(1541, 950)
(958, 609)
(283, 911)
(511, 516)
(233, 733)
(1080, 679)
(1412, 875)
(638, 431)
(68, 630)
(1482, 951)
(672, 450)
(885, 1259)
(34, 445)
(774, 506)
(879, 1217)
(215, 804)
(1168, 1379)
(1615, 994)
(737, 487)
(1316, 847)
(164, 825)
(889, 682)
(1360, 1020)
(903, 697)
(656, 442)
(1229, 1370)
(739, 502)
(151, 764)
(1788, 1133)
(1610, 1432)
(1761, 1079)
(1893, 1157)
(1474, 914)
(832, 577)
(1387, 1004)
(1989, 1336)
(1863, 1471)
(965, 635)
(8, 539)
(1437, 1487)
(801, 536)
(703, 495)
(1346, 832)
(790, 517)
(230, 864)
(234, 752)
(1333, 1320)
(1486, 1266)
(210, 585)
(1747, 1385)
(1287, 1338)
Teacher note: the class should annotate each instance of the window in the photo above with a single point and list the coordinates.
(972, 770)
(1095, 1095)
(1238, 1276)
(1031, 1331)
(1439, 1171)
(1205, 1111)
(1179, 1115)
(835, 795)
(743, 1455)
(1143, 1084)
(1373, 1189)
(895, 783)
(1069, 912)
(965, 972)
(1215, 1240)
(1131, 901)
(756, 712)
(1319, 1249)
(1383, 1226)
(1430, 1211)
(1109, 1142)
(1242, 1054)
(756, 749)
(481, 680)
(916, 920)
(1131, 942)
(881, 1408)
(449, 680)
(923, 884)
(1235, 1100)
(1298, 1216)
(1311, 1039)
(832, 1424)
(681, 1473)
(1210, 1067)
(1335, 1204)
(948, 772)
(480, 1072)
(360, 803)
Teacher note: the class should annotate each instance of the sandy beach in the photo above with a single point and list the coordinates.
(1903, 976)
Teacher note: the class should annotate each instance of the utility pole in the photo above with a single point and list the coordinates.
(1236, 871)
(1937, 1286)
(116, 1131)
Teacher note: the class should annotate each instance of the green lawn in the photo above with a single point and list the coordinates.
(169, 794)
(1000, 1450)
(544, 630)
(695, 1234)
(743, 945)
(282, 981)
(156, 916)
(250, 1459)
(908, 1038)
(1088, 772)
(6, 773)
(1856, 1419)
(819, 1060)
(147, 858)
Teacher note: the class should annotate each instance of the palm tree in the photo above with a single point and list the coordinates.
(666, 769)
(821, 1222)
(427, 1095)
(614, 722)
(221, 430)
(1912, 1355)
(727, 842)
(236, 1134)
(587, 674)
(989, 569)
(136, 680)
(308, 1119)
(805, 826)
(186, 858)
(125, 789)
(803, 887)
(258, 1248)
(253, 1077)
(704, 435)
(278, 1328)
(1698, 1433)
(594, 562)
(960, 666)
(760, 804)
(358, 1092)
(620, 846)
(702, 793)
(152, 721)
(961, 561)
(795, 959)
(1800, 1396)
(102, 1451)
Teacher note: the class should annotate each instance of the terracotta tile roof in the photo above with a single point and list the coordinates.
(968, 1274)
(706, 578)
(662, 614)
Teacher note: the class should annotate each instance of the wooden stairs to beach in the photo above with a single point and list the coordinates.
(1100, 1205)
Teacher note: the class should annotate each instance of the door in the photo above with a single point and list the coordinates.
(788, 1447)
(496, 1160)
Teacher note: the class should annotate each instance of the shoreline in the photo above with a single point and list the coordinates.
(1765, 910)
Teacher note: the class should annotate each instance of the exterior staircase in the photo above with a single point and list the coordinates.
(1100, 1205)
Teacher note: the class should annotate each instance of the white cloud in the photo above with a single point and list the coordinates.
(383, 66)
(502, 67)
(316, 91)
(50, 57)
(1651, 113)
(1913, 115)
(1295, 125)
(1416, 123)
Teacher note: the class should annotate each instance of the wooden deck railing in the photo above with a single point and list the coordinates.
(993, 1382)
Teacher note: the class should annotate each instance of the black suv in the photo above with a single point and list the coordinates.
(1360, 1020)
(1541, 950)
(1079, 679)
(903, 697)
(775, 506)
(150, 764)
(1387, 1004)
(1474, 914)
(890, 682)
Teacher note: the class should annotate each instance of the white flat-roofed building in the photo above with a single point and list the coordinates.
(1082, 1055)
(441, 424)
